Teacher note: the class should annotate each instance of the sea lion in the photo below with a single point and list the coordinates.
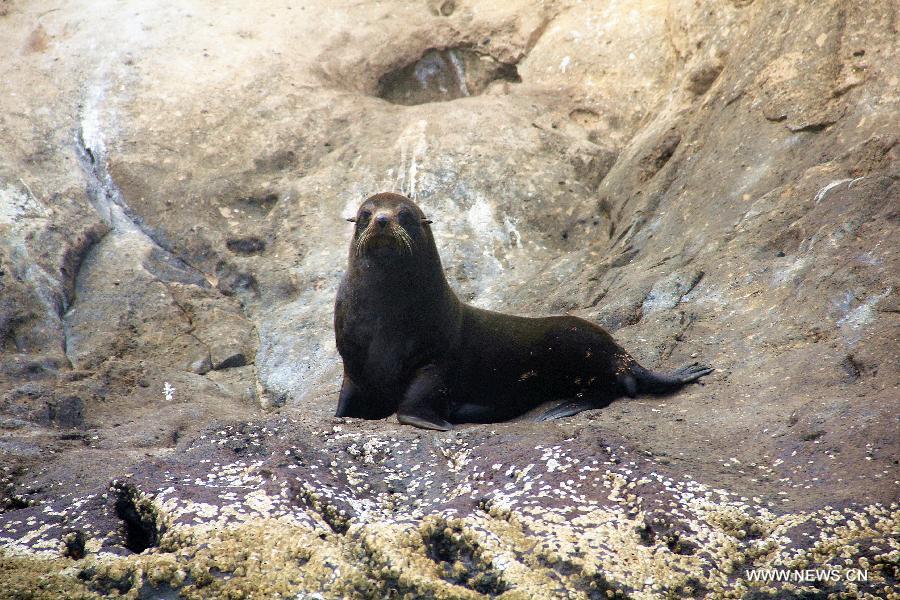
(409, 346)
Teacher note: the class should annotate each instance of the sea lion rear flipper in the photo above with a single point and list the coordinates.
(424, 404)
(662, 383)
(692, 372)
(567, 409)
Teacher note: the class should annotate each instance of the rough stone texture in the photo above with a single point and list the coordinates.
(710, 180)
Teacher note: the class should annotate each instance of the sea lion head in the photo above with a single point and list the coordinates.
(390, 224)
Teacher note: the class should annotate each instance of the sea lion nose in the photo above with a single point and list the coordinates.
(382, 221)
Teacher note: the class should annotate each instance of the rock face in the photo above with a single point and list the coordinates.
(709, 180)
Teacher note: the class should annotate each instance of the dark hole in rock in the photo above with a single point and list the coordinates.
(73, 544)
(441, 75)
(231, 361)
(461, 562)
(14, 503)
(140, 521)
(65, 412)
(246, 245)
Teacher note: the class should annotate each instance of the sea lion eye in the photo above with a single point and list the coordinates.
(404, 214)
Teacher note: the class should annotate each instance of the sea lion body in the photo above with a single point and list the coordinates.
(411, 347)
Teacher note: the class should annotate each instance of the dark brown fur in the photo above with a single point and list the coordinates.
(410, 346)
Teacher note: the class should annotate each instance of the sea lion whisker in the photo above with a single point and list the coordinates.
(404, 237)
(362, 241)
(409, 242)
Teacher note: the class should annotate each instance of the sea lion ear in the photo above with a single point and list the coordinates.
(351, 219)
(427, 221)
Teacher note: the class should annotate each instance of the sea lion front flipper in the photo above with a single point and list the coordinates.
(350, 401)
(566, 409)
(424, 404)
(424, 422)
